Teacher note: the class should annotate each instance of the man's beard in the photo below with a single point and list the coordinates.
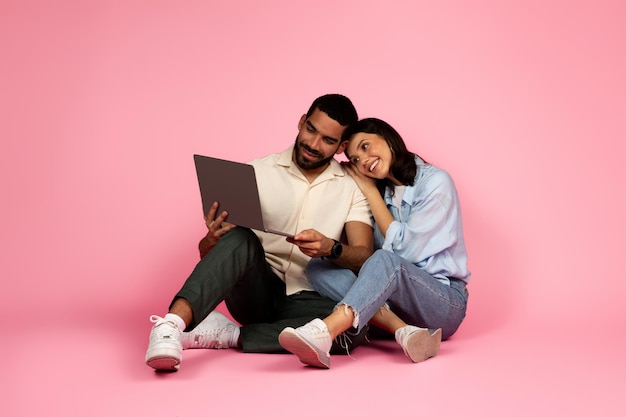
(306, 164)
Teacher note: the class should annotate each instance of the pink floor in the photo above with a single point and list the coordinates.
(96, 368)
(104, 102)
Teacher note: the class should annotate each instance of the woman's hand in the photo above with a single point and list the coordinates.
(366, 184)
(382, 216)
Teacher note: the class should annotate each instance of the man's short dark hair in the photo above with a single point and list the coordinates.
(338, 107)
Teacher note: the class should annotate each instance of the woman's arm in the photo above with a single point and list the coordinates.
(431, 222)
(382, 216)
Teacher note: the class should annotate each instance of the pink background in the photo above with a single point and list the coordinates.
(103, 103)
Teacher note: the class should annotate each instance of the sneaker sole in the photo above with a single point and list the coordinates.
(307, 354)
(164, 361)
(423, 344)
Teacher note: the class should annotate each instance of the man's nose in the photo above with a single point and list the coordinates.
(317, 141)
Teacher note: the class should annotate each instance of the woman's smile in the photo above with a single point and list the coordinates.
(373, 165)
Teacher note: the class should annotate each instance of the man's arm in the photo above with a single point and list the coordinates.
(360, 237)
(359, 245)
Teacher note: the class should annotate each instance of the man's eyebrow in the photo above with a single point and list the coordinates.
(312, 126)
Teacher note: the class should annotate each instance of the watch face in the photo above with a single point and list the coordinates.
(337, 249)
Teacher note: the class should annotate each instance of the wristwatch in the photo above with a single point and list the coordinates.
(336, 250)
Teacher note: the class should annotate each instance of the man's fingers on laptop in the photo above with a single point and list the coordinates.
(219, 220)
(224, 227)
(219, 227)
(210, 217)
(228, 226)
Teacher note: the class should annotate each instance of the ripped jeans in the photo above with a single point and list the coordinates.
(411, 293)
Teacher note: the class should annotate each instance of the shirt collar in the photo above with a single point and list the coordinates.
(285, 157)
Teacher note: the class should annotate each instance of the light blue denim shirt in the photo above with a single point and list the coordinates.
(427, 230)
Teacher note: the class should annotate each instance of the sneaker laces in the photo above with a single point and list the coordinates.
(344, 342)
(164, 329)
(214, 338)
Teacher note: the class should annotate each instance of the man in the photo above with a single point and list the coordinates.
(261, 276)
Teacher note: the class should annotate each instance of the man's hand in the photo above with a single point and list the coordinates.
(217, 227)
(359, 245)
(312, 243)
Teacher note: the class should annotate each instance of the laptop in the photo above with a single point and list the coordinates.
(233, 185)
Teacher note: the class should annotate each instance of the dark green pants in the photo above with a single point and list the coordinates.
(235, 271)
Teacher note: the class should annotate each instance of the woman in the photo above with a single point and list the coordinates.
(414, 285)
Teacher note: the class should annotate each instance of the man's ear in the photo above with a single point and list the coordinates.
(342, 147)
(301, 122)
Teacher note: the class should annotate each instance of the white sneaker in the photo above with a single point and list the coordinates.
(311, 343)
(216, 331)
(418, 343)
(165, 351)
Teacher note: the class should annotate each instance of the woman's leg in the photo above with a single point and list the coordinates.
(387, 320)
(334, 282)
(381, 276)
(401, 298)
(328, 279)
(343, 316)
(412, 294)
